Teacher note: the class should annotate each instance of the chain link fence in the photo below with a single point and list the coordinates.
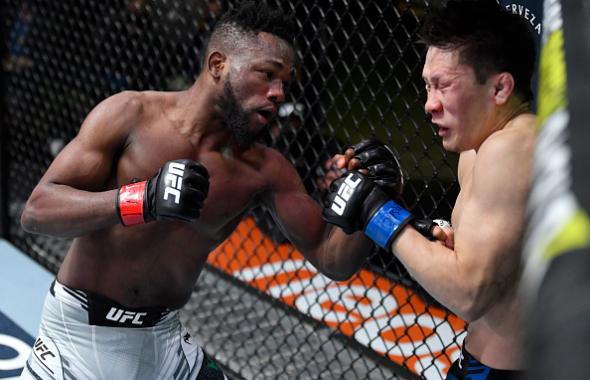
(259, 308)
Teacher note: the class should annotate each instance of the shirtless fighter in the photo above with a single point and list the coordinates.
(478, 71)
(152, 183)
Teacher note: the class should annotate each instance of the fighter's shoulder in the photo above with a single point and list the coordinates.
(276, 166)
(133, 99)
(118, 110)
(516, 138)
(508, 152)
(272, 158)
(522, 126)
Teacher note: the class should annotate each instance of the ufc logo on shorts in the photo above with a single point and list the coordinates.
(344, 193)
(173, 181)
(122, 316)
(41, 349)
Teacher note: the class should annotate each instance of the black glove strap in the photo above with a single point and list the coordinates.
(424, 226)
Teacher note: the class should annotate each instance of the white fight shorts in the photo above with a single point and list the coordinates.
(87, 336)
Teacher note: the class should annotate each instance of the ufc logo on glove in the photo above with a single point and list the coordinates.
(173, 180)
(142, 202)
(344, 193)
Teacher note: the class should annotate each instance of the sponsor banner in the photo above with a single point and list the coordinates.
(15, 347)
(383, 315)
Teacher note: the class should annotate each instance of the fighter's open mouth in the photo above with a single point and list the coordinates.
(266, 114)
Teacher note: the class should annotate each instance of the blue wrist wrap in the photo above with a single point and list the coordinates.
(386, 222)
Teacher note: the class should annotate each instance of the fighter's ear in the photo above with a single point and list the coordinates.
(215, 63)
(503, 87)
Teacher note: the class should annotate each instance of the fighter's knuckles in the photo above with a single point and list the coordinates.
(373, 155)
(366, 144)
(349, 153)
(198, 183)
(438, 233)
(354, 164)
(195, 168)
(358, 147)
(384, 169)
(340, 161)
(194, 195)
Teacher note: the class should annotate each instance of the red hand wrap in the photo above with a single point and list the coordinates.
(130, 203)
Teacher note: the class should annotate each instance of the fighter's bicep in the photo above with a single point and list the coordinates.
(297, 213)
(86, 161)
(492, 219)
(486, 234)
(80, 166)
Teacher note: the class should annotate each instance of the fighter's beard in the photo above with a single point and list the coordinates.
(235, 118)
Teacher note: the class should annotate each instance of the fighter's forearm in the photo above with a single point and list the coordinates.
(62, 211)
(455, 281)
(342, 255)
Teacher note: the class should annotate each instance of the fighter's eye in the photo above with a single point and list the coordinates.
(267, 74)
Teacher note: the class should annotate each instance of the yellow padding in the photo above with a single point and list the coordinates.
(575, 234)
(552, 78)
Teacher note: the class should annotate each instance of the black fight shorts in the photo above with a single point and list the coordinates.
(469, 368)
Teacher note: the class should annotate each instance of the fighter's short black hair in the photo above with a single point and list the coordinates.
(248, 19)
(258, 16)
(490, 39)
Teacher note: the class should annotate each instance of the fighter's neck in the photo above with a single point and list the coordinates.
(199, 117)
(510, 111)
(515, 110)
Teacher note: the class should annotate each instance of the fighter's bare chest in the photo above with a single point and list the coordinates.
(231, 191)
(234, 182)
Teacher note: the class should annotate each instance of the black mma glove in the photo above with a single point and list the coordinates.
(383, 165)
(424, 226)
(176, 192)
(354, 202)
